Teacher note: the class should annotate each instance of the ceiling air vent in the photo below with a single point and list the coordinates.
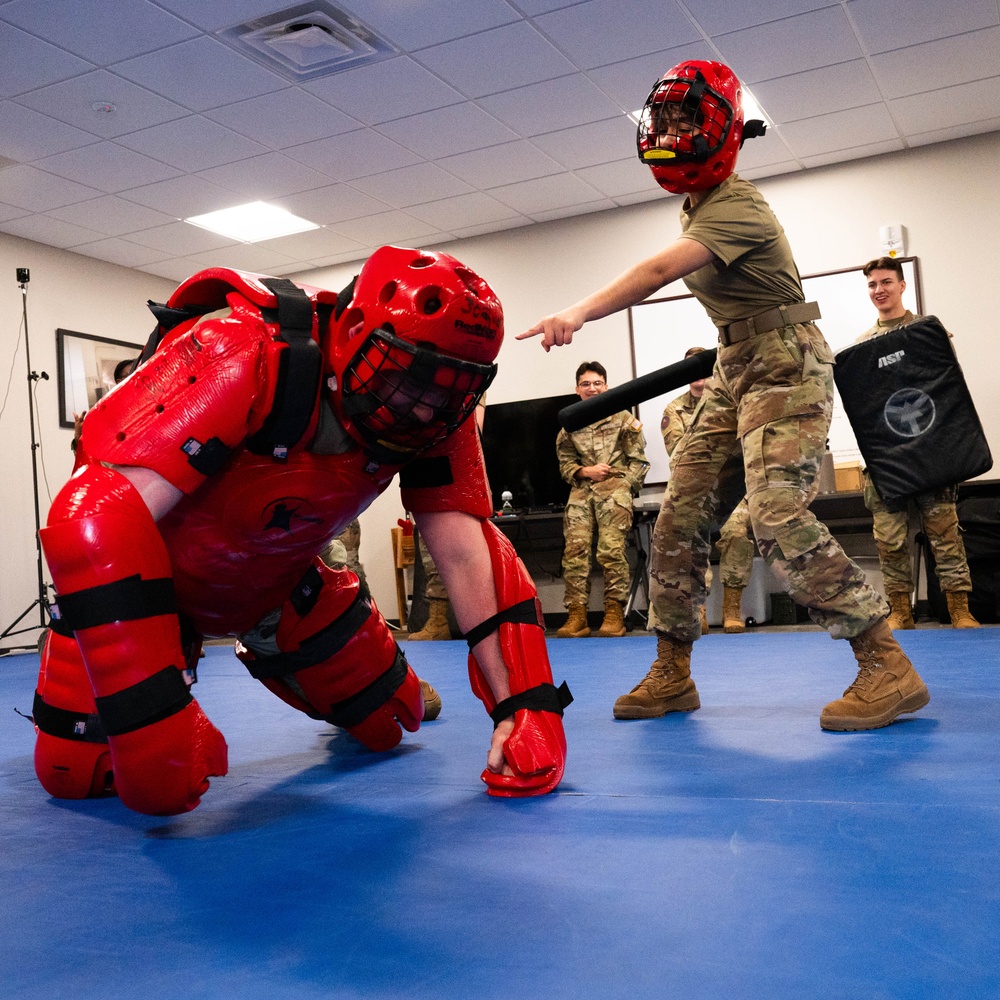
(308, 41)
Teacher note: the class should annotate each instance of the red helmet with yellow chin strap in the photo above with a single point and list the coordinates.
(691, 127)
(412, 347)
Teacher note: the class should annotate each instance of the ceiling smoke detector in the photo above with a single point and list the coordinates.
(308, 41)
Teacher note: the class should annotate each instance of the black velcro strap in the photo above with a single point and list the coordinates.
(157, 697)
(316, 648)
(344, 297)
(125, 600)
(306, 593)
(59, 625)
(65, 724)
(523, 613)
(207, 457)
(299, 371)
(357, 708)
(426, 473)
(544, 698)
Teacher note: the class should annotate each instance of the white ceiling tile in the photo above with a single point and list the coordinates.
(543, 193)
(111, 216)
(894, 24)
(943, 109)
(413, 185)
(29, 62)
(719, 16)
(830, 88)
(505, 164)
(842, 130)
(210, 16)
(200, 74)
(465, 210)
(616, 179)
(384, 90)
(387, 227)
(245, 257)
(500, 59)
(354, 154)
(640, 197)
(763, 151)
(39, 191)
(954, 132)
(587, 145)
(334, 203)
(107, 165)
(182, 197)
(27, 135)
(118, 251)
(772, 170)
(571, 211)
(52, 232)
(284, 118)
(178, 270)
(192, 143)
(315, 243)
(855, 153)
(629, 82)
(820, 38)
(934, 65)
(264, 177)
(466, 232)
(72, 101)
(551, 106)
(181, 239)
(414, 26)
(103, 31)
(8, 212)
(599, 32)
(448, 130)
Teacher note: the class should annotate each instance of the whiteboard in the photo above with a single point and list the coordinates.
(663, 329)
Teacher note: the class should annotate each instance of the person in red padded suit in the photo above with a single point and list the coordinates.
(263, 417)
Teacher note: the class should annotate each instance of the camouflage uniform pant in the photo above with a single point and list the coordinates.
(781, 459)
(344, 550)
(939, 522)
(610, 514)
(434, 587)
(736, 548)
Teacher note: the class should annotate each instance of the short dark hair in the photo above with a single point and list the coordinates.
(592, 366)
(692, 351)
(124, 369)
(883, 264)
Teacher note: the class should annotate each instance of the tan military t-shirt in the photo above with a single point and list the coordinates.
(755, 270)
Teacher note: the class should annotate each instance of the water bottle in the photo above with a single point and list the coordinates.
(507, 497)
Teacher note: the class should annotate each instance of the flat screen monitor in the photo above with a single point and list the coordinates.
(519, 443)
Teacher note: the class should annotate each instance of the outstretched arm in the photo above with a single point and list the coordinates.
(681, 257)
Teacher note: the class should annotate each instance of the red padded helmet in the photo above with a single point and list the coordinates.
(691, 127)
(412, 349)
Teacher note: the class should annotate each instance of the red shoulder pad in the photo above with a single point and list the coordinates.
(209, 289)
(198, 397)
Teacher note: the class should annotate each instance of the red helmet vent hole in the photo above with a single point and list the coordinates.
(428, 300)
(387, 291)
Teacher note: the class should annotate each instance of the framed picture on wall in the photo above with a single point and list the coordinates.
(87, 369)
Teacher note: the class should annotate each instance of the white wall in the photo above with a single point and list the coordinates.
(944, 194)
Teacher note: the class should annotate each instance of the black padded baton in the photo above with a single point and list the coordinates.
(624, 397)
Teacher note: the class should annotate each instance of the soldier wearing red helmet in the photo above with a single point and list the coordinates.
(772, 391)
(263, 417)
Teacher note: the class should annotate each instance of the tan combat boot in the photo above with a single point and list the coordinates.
(886, 685)
(666, 688)
(704, 620)
(731, 616)
(613, 625)
(432, 701)
(436, 626)
(901, 614)
(576, 626)
(958, 610)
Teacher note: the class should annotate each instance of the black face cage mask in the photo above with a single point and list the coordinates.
(708, 113)
(388, 379)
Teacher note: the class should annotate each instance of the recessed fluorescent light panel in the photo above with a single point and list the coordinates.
(253, 222)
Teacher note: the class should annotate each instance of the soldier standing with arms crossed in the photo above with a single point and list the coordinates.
(772, 391)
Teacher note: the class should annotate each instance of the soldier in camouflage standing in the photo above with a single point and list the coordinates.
(936, 510)
(736, 544)
(771, 390)
(605, 465)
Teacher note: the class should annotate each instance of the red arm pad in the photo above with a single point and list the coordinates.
(536, 749)
(113, 577)
(338, 661)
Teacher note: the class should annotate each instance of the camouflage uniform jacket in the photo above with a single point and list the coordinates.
(617, 440)
(677, 417)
